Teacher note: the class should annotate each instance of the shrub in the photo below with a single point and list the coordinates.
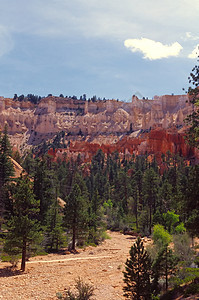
(84, 291)
(182, 247)
(161, 236)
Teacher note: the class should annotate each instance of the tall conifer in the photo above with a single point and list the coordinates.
(6, 170)
(23, 228)
(137, 274)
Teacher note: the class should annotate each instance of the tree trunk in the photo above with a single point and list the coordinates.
(74, 237)
(1, 203)
(150, 218)
(166, 271)
(136, 217)
(192, 240)
(23, 261)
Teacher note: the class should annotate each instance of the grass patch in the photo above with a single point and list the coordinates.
(105, 236)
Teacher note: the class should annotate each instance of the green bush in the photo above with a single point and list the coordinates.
(184, 276)
(13, 259)
(84, 291)
(192, 289)
(182, 248)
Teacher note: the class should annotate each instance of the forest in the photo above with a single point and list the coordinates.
(131, 195)
(68, 203)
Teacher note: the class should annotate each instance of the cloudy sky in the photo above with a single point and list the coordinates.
(108, 48)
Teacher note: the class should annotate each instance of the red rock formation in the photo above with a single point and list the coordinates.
(157, 142)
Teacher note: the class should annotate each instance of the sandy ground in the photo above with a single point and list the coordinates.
(100, 266)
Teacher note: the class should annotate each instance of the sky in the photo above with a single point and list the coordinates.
(109, 48)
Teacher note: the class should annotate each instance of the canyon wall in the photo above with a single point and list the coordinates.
(105, 122)
(156, 142)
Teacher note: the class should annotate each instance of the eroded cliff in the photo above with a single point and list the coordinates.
(106, 122)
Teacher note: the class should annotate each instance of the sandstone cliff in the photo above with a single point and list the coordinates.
(101, 122)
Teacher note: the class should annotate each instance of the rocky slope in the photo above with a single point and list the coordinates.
(110, 124)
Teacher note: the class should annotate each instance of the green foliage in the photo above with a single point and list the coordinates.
(164, 266)
(54, 232)
(6, 172)
(165, 194)
(180, 228)
(29, 164)
(23, 228)
(193, 119)
(161, 236)
(184, 276)
(45, 187)
(13, 259)
(117, 194)
(108, 204)
(171, 219)
(192, 289)
(105, 236)
(150, 192)
(30, 97)
(137, 274)
(182, 247)
(84, 291)
(192, 223)
(143, 222)
(76, 214)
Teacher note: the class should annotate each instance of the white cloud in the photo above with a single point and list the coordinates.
(194, 53)
(151, 49)
(190, 37)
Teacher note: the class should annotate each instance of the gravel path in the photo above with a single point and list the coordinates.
(100, 266)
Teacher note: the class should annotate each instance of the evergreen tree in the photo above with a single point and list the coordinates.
(95, 218)
(134, 206)
(193, 119)
(98, 161)
(170, 221)
(137, 274)
(6, 171)
(122, 190)
(164, 196)
(76, 214)
(54, 230)
(150, 193)
(29, 164)
(190, 201)
(23, 228)
(44, 188)
(164, 266)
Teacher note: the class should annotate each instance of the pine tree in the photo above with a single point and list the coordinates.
(44, 188)
(94, 218)
(165, 262)
(54, 230)
(6, 171)
(190, 201)
(137, 275)
(23, 228)
(163, 267)
(150, 193)
(76, 214)
(193, 119)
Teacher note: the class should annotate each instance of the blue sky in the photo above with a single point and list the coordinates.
(108, 48)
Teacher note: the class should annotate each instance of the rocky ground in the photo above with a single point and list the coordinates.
(100, 266)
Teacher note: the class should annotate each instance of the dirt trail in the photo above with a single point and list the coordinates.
(101, 266)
